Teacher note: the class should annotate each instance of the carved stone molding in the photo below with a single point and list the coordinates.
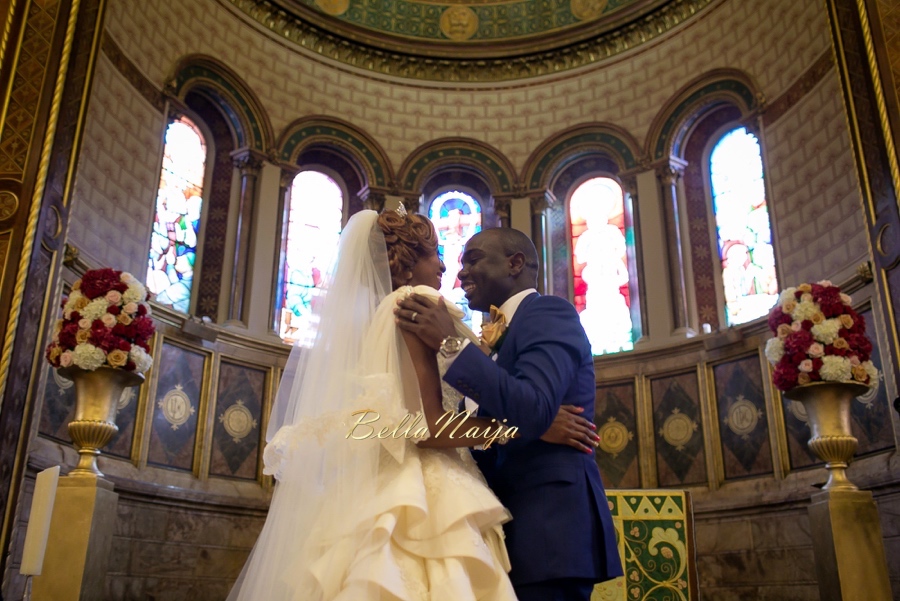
(414, 63)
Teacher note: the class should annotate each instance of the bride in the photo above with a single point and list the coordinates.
(358, 517)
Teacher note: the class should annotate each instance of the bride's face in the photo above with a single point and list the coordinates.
(428, 271)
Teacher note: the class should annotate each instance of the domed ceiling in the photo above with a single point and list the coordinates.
(468, 40)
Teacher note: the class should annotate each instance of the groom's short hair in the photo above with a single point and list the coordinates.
(513, 241)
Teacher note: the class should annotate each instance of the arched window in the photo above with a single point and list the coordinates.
(173, 242)
(314, 220)
(742, 227)
(600, 255)
(457, 217)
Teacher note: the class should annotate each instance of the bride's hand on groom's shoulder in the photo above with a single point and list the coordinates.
(569, 428)
(428, 320)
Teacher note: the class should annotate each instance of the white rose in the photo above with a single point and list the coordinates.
(135, 293)
(142, 360)
(786, 294)
(127, 278)
(845, 298)
(872, 371)
(774, 350)
(827, 331)
(70, 302)
(95, 309)
(836, 369)
(804, 310)
(88, 357)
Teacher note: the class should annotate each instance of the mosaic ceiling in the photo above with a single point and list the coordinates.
(468, 40)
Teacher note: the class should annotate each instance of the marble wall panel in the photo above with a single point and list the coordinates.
(677, 426)
(238, 421)
(617, 456)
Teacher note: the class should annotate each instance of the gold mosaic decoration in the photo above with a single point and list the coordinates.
(743, 417)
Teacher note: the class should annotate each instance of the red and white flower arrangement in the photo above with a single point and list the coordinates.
(106, 321)
(818, 337)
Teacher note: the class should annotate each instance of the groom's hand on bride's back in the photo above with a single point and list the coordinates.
(569, 428)
(430, 321)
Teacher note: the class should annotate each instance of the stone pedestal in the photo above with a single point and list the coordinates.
(849, 547)
(81, 532)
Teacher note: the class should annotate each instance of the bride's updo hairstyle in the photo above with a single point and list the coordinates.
(408, 238)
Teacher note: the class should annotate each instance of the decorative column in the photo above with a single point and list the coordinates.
(668, 175)
(412, 202)
(249, 163)
(288, 173)
(502, 209)
(373, 199)
(47, 61)
(639, 319)
(540, 204)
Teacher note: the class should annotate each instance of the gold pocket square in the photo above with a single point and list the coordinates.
(492, 332)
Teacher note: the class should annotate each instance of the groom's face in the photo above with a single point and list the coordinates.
(485, 273)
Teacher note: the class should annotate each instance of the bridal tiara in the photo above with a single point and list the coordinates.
(401, 210)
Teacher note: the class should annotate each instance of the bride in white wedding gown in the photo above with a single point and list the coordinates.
(356, 518)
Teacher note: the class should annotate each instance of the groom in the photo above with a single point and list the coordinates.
(561, 538)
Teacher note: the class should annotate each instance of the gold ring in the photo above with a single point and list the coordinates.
(413, 316)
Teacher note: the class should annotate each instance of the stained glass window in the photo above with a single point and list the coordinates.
(173, 242)
(742, 227)
(313, 233)
(456, 217)
(600, 242)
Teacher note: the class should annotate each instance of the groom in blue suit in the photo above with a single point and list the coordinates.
(561, 539)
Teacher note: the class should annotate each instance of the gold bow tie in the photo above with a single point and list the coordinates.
(492, 332)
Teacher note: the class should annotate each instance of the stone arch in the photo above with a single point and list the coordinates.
(248, 120)
(677, 118)
(554, 155)
(440, 154)
(318, 130)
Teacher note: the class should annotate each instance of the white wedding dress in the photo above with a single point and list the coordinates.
(375, 519)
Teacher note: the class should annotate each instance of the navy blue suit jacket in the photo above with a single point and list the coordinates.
(561, 526)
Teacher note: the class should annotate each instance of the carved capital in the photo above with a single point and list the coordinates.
(629, 184)
(541, 202)
(288, 173)
(670, 171)
(373, 198)
(248, 161)
(411, 203)
(864, 271)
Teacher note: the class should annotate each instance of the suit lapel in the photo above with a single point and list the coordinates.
(505, 356)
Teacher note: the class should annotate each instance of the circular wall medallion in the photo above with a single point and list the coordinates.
(678, 429)
(459, 23)
(866, 399)
(127, 396)
(238, 421)
(798, 410)
(176, 407)
(61, 382)
(333, 7)
(614, 437)
(9, 202)
(587, 10)
(743, 416)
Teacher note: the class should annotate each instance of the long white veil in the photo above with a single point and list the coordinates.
(321, 474)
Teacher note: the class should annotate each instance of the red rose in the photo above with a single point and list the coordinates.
(778, 317)
(798, 342)
(817, 364)
(114, 309)
(785, 376)
(144, 327)
(130, 366)
(62, 304)
(97, 282)
(814, 376)
(807, 325)
(75, 316)
(124, 345)
(142, 310)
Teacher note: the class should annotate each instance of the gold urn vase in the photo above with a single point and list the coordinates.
(827, 407)
(97, 396)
